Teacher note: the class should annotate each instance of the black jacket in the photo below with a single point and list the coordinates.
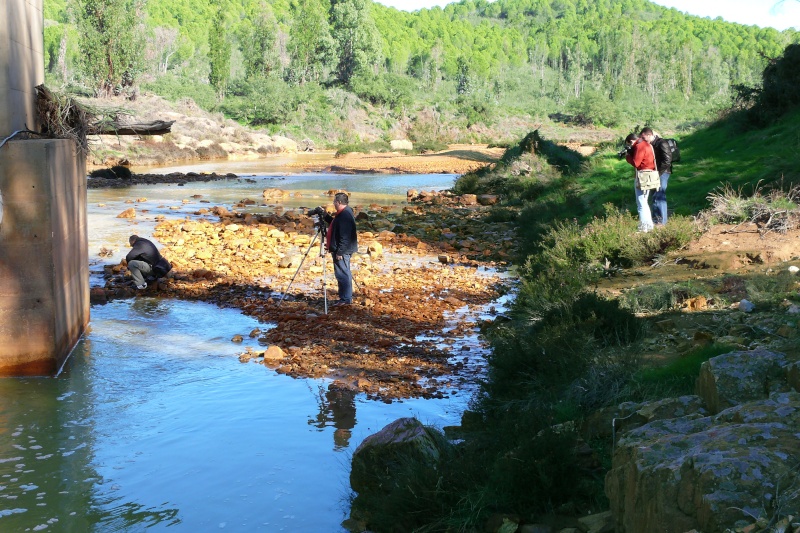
(344, 238)
(143, 250)
(663, 155)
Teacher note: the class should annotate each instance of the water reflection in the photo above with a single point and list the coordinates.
(337, 408)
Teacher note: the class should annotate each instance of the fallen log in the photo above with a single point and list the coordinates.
(157, 127)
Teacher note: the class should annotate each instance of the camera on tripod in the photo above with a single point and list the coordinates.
(320, 213)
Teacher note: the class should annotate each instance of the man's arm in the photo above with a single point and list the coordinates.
(665, 153)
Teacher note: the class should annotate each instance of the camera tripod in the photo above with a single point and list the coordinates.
(319, 234)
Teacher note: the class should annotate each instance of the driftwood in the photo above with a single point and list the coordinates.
(157, 127)
(64, 117)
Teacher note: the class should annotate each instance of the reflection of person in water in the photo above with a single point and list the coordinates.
(337, 407)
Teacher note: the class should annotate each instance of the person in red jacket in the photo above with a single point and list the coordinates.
(642, 157)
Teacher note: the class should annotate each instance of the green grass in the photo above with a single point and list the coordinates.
(676, 378)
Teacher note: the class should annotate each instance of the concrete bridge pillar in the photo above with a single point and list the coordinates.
(44, 272)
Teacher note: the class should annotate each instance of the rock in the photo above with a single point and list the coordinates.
(275, 194)
(306, 145)
(274, 353)
(793, 376)
(535, 528)
(375, 249)
(794, 270)
(468, 199)
(707, 474)
(290, 261)
(785, 331)
(501, 523)
(128, 213)
(237, 338)
(487, 199)
(597, 523)
(731, 379)
(793, 309)
(665, 325)
(380, 454)
(746, 306)
(401, 144)
(702, 338)
(97, 295)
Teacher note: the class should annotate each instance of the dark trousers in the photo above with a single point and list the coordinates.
(341, 271)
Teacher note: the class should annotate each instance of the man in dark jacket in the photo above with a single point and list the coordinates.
(141, 259)
(664, 166)
(342, 241)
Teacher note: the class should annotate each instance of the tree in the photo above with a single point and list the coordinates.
(257, 41)
(111, 39)
(356, 37)
(310, 42)
(162, 44)
(219, 54)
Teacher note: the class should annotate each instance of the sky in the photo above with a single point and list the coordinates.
(779, 15)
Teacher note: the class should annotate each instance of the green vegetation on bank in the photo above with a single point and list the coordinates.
(347, 71)
(565, 352)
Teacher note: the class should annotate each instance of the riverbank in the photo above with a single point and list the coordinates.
(425, 279)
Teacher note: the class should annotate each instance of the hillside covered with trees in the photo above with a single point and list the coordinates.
(354, 70)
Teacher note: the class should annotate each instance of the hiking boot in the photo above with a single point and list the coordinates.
(340, 303)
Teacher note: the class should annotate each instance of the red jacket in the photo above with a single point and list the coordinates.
(642, 157)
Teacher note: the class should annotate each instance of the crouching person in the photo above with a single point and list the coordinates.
(145, 261)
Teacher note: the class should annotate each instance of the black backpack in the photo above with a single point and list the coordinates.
(676, 152)
(161, 268)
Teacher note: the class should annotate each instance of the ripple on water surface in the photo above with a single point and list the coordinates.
(155, 424)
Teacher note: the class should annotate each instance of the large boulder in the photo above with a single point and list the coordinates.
(675, 475)
(737, 377)
(381, 454)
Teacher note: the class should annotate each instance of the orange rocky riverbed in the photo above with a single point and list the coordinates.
(416, 269)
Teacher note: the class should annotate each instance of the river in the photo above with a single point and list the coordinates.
(154, 424)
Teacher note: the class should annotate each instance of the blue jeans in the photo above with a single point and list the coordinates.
(660, 201)
(645, 219)
(341, 271)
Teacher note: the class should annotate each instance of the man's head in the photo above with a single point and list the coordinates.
(132, 239)
(647, 134)
(340, 201)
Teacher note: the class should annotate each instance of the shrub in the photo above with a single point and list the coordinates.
(392, 90)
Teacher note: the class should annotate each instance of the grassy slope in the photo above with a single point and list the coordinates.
(710, 158)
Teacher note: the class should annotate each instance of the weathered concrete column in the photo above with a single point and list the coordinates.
(21, 64)
(44, 258)
(44, 263)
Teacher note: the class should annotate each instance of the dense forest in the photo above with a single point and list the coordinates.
(354, 70)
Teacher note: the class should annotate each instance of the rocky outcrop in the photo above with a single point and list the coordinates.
(737, 377)
(379, 456)
(713, 473)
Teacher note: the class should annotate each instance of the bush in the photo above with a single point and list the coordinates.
(392, 90)
(175, 88)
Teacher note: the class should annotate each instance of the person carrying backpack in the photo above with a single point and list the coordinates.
(144, 259)
(664, 165)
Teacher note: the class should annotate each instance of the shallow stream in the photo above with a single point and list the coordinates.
(154, 424)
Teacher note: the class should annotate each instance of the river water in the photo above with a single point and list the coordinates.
(154, 424)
